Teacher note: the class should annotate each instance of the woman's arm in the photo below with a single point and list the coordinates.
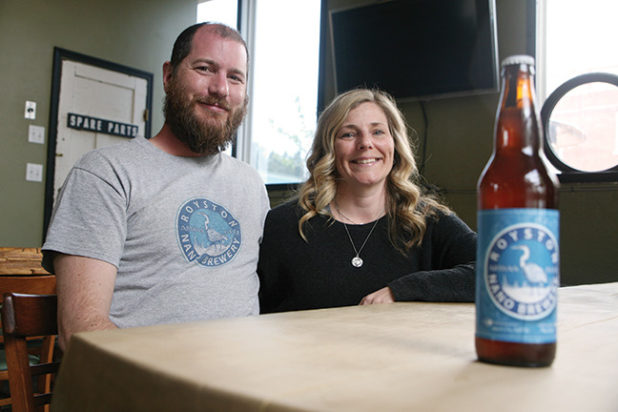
(448, 252)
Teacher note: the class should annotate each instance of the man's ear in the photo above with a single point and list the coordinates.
(168, 72)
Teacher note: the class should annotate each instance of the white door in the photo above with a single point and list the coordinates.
(90, 92)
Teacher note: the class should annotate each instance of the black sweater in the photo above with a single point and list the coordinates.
(296, 275)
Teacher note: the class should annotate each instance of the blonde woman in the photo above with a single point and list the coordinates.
(361, 231)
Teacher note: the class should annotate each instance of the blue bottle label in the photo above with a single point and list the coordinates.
(517, 275)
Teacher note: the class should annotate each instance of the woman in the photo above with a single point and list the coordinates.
(361, 231)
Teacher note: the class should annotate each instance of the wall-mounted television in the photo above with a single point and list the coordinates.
(417, 49)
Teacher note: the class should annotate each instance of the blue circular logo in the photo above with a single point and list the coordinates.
(207, 233)
(521, 271)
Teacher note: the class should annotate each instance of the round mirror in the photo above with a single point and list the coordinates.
(580, 121)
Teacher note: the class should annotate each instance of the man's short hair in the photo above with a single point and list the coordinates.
(184, 41)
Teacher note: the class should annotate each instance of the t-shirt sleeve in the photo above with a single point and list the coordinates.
(89, 219)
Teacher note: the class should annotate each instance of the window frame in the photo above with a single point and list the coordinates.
(246, 25)
(569, 174)
(566, 174)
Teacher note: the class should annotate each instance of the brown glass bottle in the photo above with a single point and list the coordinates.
(517, 204)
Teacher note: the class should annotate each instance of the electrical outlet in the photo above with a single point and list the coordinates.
(34, 172)
(30, 112)
(36, 134)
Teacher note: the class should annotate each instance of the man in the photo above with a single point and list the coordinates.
(167, 229)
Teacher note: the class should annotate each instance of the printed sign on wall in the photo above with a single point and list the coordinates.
(93, 124)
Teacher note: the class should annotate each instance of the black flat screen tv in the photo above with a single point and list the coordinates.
(417, 49)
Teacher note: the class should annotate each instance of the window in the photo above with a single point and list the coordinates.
(221, 11)
(283, 39)
(575, 39)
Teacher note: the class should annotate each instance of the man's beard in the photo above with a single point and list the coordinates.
(202, 136)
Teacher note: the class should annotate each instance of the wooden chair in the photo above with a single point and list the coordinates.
(44, 348)
(24, 316)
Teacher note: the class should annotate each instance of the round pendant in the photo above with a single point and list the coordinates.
(357, 262)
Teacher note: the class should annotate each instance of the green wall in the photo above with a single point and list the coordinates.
(135, 33)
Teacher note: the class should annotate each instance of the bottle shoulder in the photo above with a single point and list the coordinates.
(519, 182)
(525, 170)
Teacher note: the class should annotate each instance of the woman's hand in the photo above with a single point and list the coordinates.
(383, 295)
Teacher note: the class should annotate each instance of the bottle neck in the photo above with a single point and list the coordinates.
(517, 122)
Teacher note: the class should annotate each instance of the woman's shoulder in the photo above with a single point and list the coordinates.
(282, 220)
(287, 210)
(291, 211)
(449, 221)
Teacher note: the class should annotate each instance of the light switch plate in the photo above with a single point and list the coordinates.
(34, 172)
(36, 134)
(30, 112)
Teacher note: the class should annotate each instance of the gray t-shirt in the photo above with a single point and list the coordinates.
(183, 232)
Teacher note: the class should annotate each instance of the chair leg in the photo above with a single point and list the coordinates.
(17, 359)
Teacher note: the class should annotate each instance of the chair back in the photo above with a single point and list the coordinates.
(24, 316)
(37, 285)
(41, 348)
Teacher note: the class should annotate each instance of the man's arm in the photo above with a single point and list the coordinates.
(84, 287)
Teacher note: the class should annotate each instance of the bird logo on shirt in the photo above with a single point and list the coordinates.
(207, 233)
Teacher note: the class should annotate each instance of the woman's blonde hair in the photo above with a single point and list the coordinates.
(406, 205)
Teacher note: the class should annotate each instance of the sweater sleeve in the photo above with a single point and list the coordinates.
(448, 254)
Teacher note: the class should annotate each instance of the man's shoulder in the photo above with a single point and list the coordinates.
(237, 163)
(123, 152)
(242, 170)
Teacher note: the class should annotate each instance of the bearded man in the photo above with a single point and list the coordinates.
(167, 229)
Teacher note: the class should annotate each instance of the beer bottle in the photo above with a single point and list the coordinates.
(517, 275)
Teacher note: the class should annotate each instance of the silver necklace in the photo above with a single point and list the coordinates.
(357, 261)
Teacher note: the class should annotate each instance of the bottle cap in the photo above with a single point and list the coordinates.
(518, 59)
